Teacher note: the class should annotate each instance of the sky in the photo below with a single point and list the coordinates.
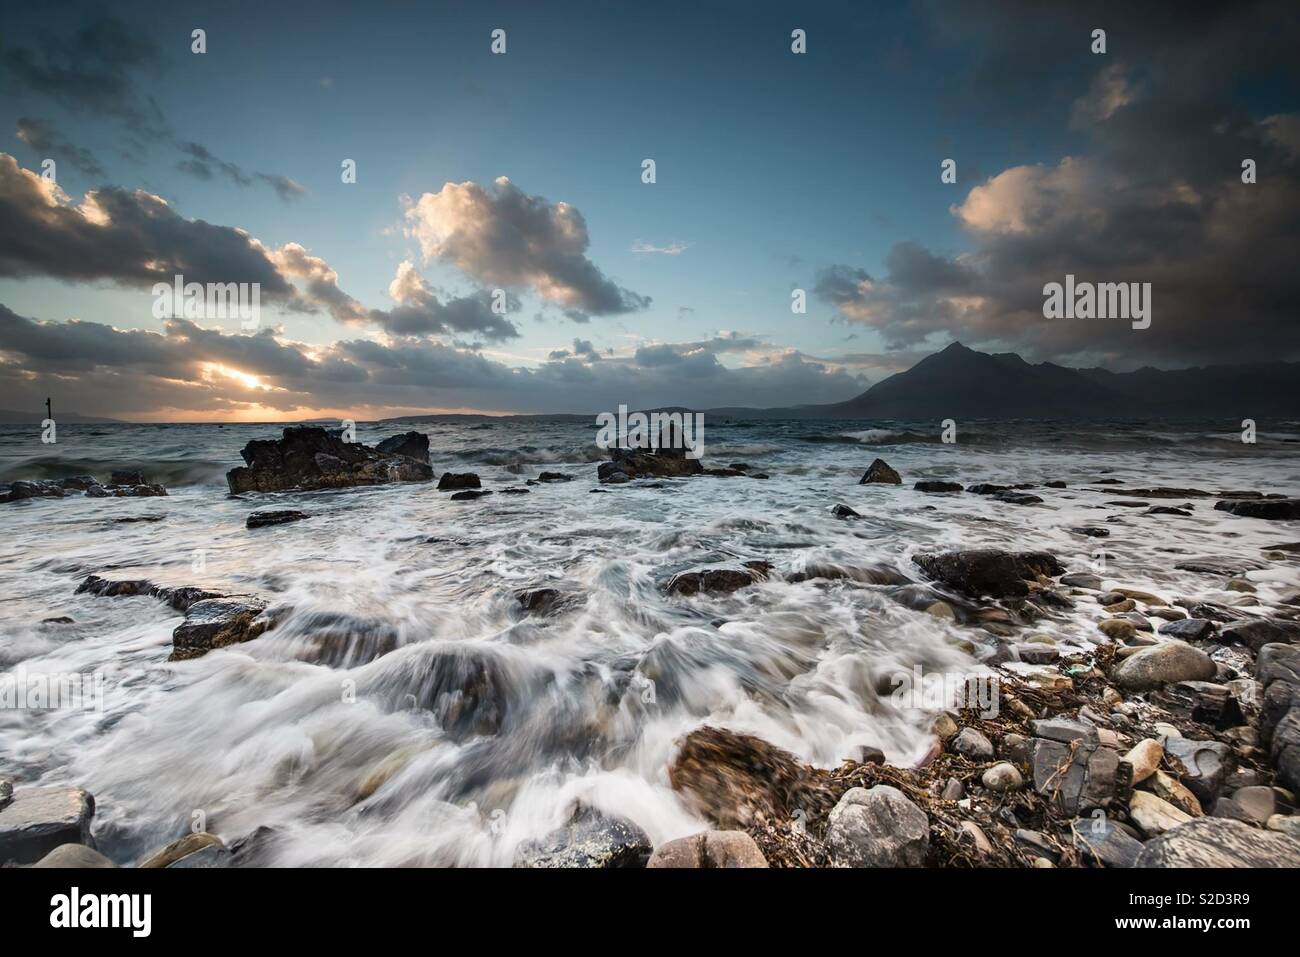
(501, 251)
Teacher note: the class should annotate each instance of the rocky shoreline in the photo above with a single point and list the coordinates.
(1168, 737)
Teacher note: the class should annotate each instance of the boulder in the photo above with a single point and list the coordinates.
(988, 571)
(879, 473)
(1272, 509)
(76, 856)
(879, 827)
(274, 517)
(937, 486)
(1259, 632)
(451, 481)
(589, 840)
(644, 463)
(1219, 842)
(843, 511)
(1162, 664)
(217, 622)
(38, 820)
(554, 477)
(309, 458)
(469, 494)
(709, 849)
(414, 445)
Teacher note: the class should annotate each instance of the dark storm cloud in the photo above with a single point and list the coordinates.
(504, 237)
(44, 138)
(187, 367)
(1152, 195)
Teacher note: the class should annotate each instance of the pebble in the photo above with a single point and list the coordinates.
(1145, 758)
(1003, 777)
(973, 745)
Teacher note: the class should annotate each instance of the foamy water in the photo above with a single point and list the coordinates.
(406, 711)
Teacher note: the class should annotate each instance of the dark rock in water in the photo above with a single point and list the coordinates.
(309, 458)
(1190, 629)
(874, 574)
(518, 490)
(937, 486)
(126, 477)
(58, 620)
(79, 483)
(725, 473)
(37, 820)
(340, 640)
(1057, 483)
(457, 480)
(1205, 765)
(590, 840)
(987, 488)
(1018, 498)
(469, 494)
(554, 477)
(1228, 565)
(541, 601)
(711, 849)
(1081, 580)
(988, 571)
(1219, 842)
(1259, 632)
(217, 622)
(75, 856)
(1127, 503)
(1167, 510)
(276, 517)
(642, 463)
(732, 779)
(879, 473)
(1209, 609)
(1162, 491)
(1101, 839)
(1273, 510)
(182, 597)
(717, 580)
(95, 585)
(414, 445)
(18, 491)
(843, 511)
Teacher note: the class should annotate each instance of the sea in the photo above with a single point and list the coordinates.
(408, 711)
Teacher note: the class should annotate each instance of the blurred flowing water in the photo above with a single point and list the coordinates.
(406, 711)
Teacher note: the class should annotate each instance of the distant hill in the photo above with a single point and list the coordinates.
(960, 382)
(11, 417)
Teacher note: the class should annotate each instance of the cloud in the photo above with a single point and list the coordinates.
(504, 237)
(202, 164)
(672, 249)
(44, 138)
(1152, 194)
(187, 371)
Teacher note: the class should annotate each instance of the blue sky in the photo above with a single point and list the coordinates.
(771, 167)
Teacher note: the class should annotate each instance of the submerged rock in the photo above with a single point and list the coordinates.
(843, 511)
(879, 473)
(310, 458)
(709, 850)
(937, 486)
(590, 840)
(717, 580)
(458, 480)
(988, 571)
(37, 820)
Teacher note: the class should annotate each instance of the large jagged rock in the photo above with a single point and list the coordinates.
(309, 458)
(988, 571)
(880, 473)
(627, 464)
(37, 820)
(1219, 842)
(414, 445)
(589, 840)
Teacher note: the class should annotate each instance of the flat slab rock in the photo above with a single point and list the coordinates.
(1271, 509)
(1219, 842)
(38, 820)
